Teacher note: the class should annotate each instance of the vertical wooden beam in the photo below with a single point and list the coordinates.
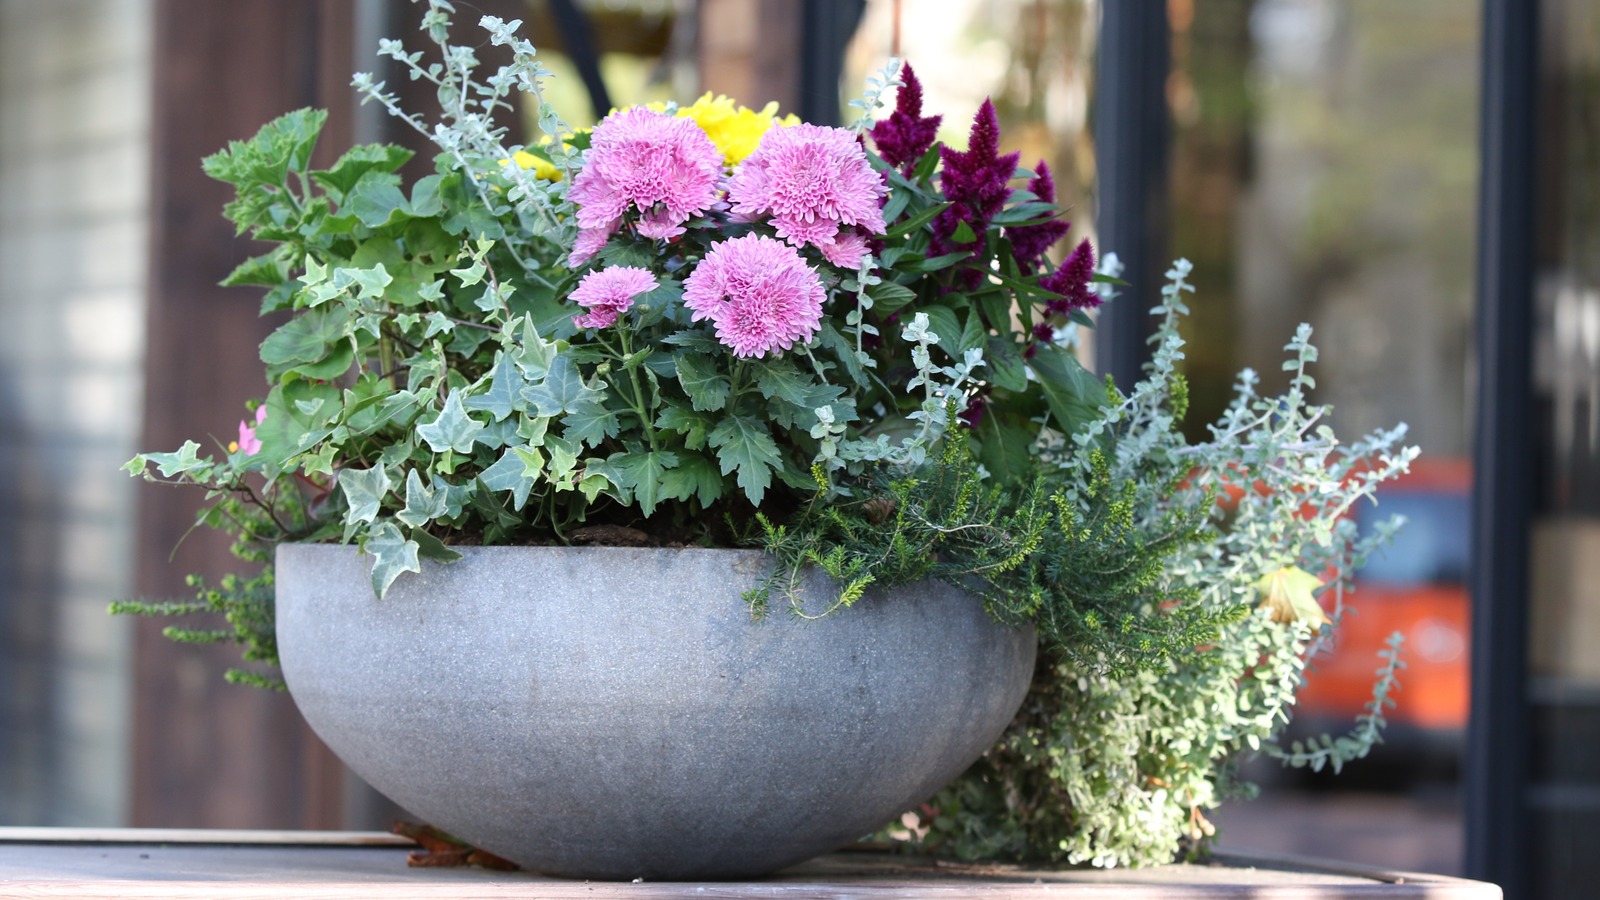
(207, 753)
(751, 49)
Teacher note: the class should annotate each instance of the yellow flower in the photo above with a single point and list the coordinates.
(542, 168)
(735, 130)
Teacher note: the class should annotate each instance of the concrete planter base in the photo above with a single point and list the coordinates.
(615, 713)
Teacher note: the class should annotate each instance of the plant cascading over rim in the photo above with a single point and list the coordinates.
(708, 325)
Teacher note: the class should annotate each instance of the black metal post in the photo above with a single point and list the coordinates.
(826, 29)
(1132, 134)
(1504, 486)
(582, 50)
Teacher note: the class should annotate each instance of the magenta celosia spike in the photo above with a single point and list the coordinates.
(1072, 281)
(976, 183)
(984, 141)
(1029, 242)
(906, 135)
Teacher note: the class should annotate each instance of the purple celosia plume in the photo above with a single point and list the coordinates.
(608, 293)
(1072, 282)
(902, 138)
(662, 167)
(975, 181)
(818, 188)
(1029, 242)
(758, 293)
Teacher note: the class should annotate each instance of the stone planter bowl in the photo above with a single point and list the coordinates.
(615, 713)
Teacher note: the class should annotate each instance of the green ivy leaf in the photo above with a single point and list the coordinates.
(511, 473)
(562, 390)
(364, 490)
(745, 444)
(423, 504)
(430, 547)
(505, 385)
(185, 459)
(452, 429)
(392, 553)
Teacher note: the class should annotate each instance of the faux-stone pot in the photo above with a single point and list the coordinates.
(617, 713)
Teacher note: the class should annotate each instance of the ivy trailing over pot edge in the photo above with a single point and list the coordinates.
(476, 359)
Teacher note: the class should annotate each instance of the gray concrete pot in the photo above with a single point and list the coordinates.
(615, 713)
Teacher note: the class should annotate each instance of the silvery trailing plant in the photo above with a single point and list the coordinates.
(853, 347)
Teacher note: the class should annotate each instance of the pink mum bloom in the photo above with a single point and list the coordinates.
(248, 443)
(760, 295)
(609, 293)
(817, 186)
(661, 166)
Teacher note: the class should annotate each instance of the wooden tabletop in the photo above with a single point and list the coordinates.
(289, 865)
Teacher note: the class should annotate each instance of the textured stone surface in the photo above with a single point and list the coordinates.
(616, 713)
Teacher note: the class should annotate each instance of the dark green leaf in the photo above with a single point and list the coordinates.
(744, 444)
(703, 381)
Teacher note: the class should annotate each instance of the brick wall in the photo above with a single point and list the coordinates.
(74, 122)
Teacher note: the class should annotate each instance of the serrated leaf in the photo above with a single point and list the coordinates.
(267, 270)
(706, 386)
(693, 476)
(690, 423)
(452, 429)
(798, 393)
(364, 490)
(377, 200)
(641, 472)
(357, 162)
(744, 444)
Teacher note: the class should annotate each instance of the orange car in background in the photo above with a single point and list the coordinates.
(1416, 585)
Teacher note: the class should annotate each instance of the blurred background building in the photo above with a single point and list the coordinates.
(1355, 164)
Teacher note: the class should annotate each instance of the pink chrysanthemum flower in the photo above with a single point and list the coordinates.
(759, 293)
(608, 293)
(817, 186)
(660, 166)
